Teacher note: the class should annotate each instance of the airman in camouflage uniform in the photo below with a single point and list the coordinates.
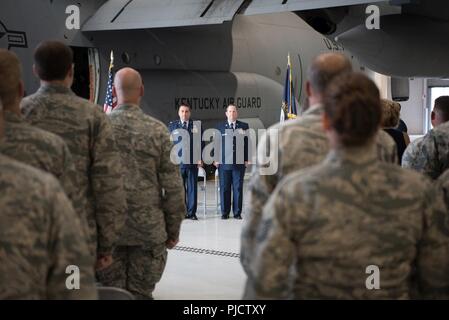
(302, 143)
(411, 153)
(31, 145)
(39, 236)
(432, 158)
(154, 189)
(334, 220)
(89, 136)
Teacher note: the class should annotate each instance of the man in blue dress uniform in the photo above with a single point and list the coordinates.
(188, 132)
(233, 162)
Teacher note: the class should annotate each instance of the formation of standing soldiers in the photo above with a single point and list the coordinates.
(340, 205)
(112, 173)
(77, 187)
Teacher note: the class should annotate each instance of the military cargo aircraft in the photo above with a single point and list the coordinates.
(214, 52)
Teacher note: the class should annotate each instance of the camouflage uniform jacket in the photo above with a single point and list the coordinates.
(89, 136)
(39, 237)
(411, 153)
(345, 214)
(43, 150)
(302, 143)
(154, 191)
(433, 158)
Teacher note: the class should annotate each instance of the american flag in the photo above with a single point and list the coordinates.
(110, 101)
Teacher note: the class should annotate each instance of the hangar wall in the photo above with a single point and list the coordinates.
(413, 111)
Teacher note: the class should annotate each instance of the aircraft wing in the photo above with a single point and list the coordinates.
(146, 14)
(271, 6)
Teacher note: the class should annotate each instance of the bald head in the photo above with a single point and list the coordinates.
(324, 68)
(128, 86)
(11, 86)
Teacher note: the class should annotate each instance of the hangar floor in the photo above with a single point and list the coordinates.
(205, 264)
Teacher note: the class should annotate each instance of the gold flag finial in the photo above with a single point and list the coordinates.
(111, 63)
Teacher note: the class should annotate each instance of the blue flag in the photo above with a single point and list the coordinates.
(288, 109)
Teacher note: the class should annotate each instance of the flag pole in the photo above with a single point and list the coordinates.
(289, 84)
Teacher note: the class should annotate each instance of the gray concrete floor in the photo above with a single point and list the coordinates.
(205, 264)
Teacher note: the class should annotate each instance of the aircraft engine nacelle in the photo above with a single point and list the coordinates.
(400, 44)
(257, 98)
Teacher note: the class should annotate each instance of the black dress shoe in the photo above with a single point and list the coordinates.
(239, 217)
(194, 217)
(224, 217)
(186, 216)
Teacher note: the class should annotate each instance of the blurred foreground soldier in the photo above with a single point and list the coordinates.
(39, 236)
(33, 146)
(88, 134)
(189, 169)
(439, 115)
(233, 162)
(443, 184)
(302, 143)
(154, 192)
(351, 214)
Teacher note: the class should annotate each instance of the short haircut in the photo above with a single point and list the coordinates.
(53, 60)
(326, 67)
(352, 104)
(10, 76)
(391, 111)
(231, 105)
(184, 104)
(442, 105)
